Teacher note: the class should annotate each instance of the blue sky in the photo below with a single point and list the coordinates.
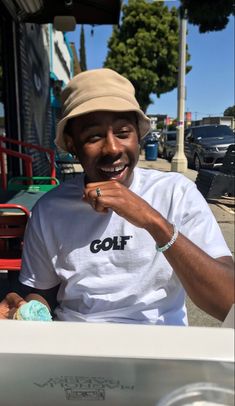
(209, 85)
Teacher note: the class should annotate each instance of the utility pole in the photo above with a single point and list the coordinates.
(179, 161)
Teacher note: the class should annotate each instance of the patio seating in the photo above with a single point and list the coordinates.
(34, 183)
(13, 220)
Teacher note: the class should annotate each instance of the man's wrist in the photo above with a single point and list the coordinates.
(161, 230)
(165, 247)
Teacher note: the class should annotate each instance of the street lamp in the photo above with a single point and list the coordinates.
(179, 161)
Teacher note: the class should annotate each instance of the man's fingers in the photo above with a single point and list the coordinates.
(97, 189)
(4, 309)
(14, 300)
(7, 307)
(103, 200)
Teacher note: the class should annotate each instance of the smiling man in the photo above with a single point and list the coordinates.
(119, 243)
(107, 146)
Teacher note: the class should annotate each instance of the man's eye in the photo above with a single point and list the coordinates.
(94, 137)
(123, 133)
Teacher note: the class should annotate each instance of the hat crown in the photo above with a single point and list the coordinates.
(98, 90)
(94, 84)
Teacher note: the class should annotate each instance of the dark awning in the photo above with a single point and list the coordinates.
(84, 11)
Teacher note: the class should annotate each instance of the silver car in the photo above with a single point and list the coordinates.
(206, 145)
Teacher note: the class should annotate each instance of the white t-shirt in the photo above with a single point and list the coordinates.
(108, 269)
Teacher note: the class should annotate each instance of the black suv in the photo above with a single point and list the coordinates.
(206, 145)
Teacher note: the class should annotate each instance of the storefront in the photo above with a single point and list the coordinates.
(9, 82)
(28, 84)
(25, 113)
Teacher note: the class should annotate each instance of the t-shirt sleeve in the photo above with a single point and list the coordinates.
(198, 223)
(37, 269)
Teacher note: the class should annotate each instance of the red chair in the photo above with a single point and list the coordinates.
(13, 220)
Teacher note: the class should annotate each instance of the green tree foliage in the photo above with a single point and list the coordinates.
(145, 48)
(230, 111)
(82, 51)
(209, 15)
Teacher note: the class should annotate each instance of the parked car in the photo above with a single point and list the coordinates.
(206, 145)
(167, 145)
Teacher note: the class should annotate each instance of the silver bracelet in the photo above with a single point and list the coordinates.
(171, 242)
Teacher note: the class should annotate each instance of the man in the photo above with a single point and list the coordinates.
(119, 243)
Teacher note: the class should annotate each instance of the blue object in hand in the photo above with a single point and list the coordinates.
(34, 311)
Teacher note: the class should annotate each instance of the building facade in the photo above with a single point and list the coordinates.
(36, 62)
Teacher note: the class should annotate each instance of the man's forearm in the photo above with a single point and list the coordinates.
(209, 282)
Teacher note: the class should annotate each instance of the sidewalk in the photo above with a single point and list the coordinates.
(163, 165)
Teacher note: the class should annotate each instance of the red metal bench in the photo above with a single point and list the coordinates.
(13, 220)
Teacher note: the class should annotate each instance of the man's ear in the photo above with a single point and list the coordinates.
(69, 144)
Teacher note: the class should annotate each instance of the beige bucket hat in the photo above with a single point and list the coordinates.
(98, 90)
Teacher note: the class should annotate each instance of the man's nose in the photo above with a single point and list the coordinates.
(112, 143)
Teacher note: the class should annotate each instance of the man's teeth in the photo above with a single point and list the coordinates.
(113, 169)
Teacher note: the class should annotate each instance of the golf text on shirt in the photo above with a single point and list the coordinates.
(115, 243)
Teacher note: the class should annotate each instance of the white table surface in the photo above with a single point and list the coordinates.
(63, 363)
